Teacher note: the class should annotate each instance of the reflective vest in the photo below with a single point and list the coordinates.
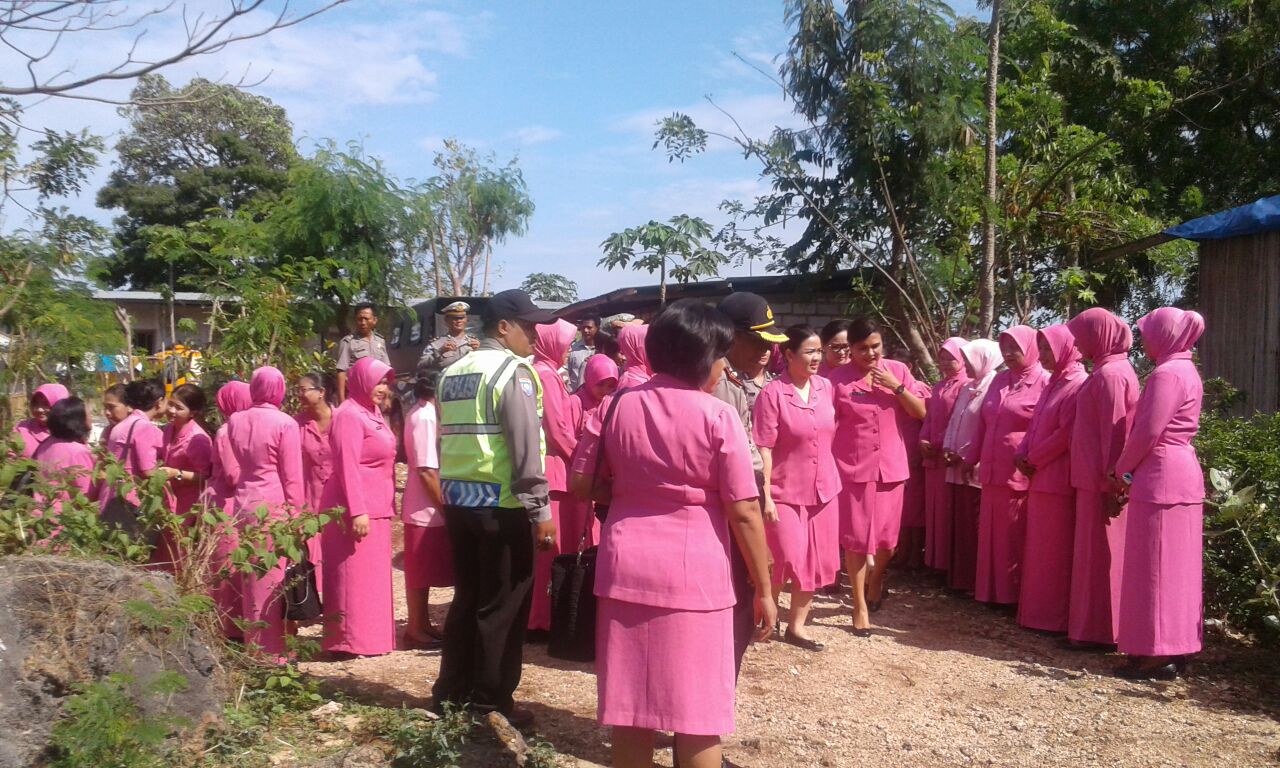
(475, 461)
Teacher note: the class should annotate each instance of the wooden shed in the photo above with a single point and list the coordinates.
(1239, 296)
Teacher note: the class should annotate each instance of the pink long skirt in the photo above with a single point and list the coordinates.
(1046, 561)
(428, 558)
(804, 543)
(262, 606)
(913, 499)
(1161, 597)
(966, 505)
(227, 584)
(870, 516)
(665, 669)
(359, 616)
(1097, 565)
(937, 519)
(540, 609)
(1002, 529)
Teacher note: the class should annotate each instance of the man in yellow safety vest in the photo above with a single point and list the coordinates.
(496, 505)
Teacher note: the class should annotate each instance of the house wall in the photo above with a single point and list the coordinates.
(153, 317)
(1240, 301)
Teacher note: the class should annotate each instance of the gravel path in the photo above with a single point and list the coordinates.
(943, 681)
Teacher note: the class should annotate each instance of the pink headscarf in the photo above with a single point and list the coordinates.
(233, 397)
(553, 342)
(954, 346)
(631, 341)
(266, 386)
(1066, 358)
(363, 377)
(1101, 336)
(599, 368)
(1170, 333)
(1025, 337)
(52, 393)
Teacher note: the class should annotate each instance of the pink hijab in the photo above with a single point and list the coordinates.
(363, 377)
(233, 397)
(1101, 336)
(599, 368)
(954, 347)
(553, 342)
(1170, 333)
(1066, 358)
(266, 386)
(631, 341)
(52, 393)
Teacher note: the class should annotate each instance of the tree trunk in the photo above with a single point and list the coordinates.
(987, 284)
(484, 291)
(1073, 249)
(662, 284)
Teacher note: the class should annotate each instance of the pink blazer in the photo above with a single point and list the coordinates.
(364, 449)
(266, 447)
(317, 458)
(144, 454)
(870, 426)
(801, 435)
(63, 460)
(226, 471)
(1104, 411)
(190, 450)
(942, 401)
(680, 455)
(1049, 436)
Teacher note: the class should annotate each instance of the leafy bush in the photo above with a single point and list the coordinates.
(422, 743)
(104, 728)
(1241, 457)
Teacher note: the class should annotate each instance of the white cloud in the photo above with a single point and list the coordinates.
(531, 135)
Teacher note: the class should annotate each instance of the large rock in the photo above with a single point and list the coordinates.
(63, 622)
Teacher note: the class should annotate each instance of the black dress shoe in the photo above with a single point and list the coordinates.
(861, 632)
(802, 642)
(1166, 672)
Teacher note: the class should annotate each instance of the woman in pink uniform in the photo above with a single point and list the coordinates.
(1051, 511)
(559, 424)
(665, 657)
(794, 426)
(428, 558)
(1161, 595)
(318, 397)
(232, 398)
(359, 612)
(835, 346)
(265, 445)
(599, 382)
(1006, 414)
(35, 430)
(66, 461)
(134, 441)
(188, 461)
(937, 492)
(874, 399)
(632, 345)
(982, 359)
(910, 554)
(1104, 411)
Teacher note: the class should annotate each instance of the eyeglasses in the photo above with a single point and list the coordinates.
(839, 349)
(301, 390)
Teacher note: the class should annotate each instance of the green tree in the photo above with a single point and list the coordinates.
(547, 286)
(675, 247)
(465, 209)
(202, 150)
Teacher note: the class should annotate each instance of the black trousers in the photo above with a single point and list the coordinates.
(484, 632)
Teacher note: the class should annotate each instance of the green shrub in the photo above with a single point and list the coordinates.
(1241, 458)
(102, 726)
(422, 743)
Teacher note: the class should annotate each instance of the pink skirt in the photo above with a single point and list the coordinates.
(1096, 569)
(937, 519)
(665, 669)
(913, 499)
(359, 614)
(966, 505)
(805, 545)
(540, 608)
(262, 607)
(1162, 592)
(1046, 562)
(428, 558)
(1002, 530)
(226, 584)
(870, 516)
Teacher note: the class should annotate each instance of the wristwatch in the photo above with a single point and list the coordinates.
(900, 389)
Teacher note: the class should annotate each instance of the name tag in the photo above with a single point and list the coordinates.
(463, 387)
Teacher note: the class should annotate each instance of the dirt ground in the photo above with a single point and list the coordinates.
(942, 681)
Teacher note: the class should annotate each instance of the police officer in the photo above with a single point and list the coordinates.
(450, 348)
(363, 343)
(496, 505)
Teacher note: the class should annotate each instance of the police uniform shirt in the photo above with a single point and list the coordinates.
(352, 348)
(436, 356)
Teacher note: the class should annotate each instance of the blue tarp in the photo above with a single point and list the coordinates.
(1260, 216)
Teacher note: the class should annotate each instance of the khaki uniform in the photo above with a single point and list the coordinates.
(352, 348)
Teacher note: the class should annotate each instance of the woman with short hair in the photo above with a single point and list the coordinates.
(134, 441)
(683, 492)
(187, 456)
(835, 346)
(64, 456)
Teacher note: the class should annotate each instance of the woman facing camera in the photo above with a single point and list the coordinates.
(684, 492)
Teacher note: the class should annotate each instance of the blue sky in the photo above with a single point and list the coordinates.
(571, 88)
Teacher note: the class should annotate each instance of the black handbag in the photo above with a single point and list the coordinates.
(573, 585)
(122, 514)
(301, 598)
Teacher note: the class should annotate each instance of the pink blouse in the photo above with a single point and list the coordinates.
(225, 469)
(1006, 415)
(265, 444)
(422, 451)
(67, 460)
(317, 458)
(870, 425)
(681, 454)
(191, 451)
(143, 456)
(1049, 436)
(1104, 411)
(801, 435)
(364, 454)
